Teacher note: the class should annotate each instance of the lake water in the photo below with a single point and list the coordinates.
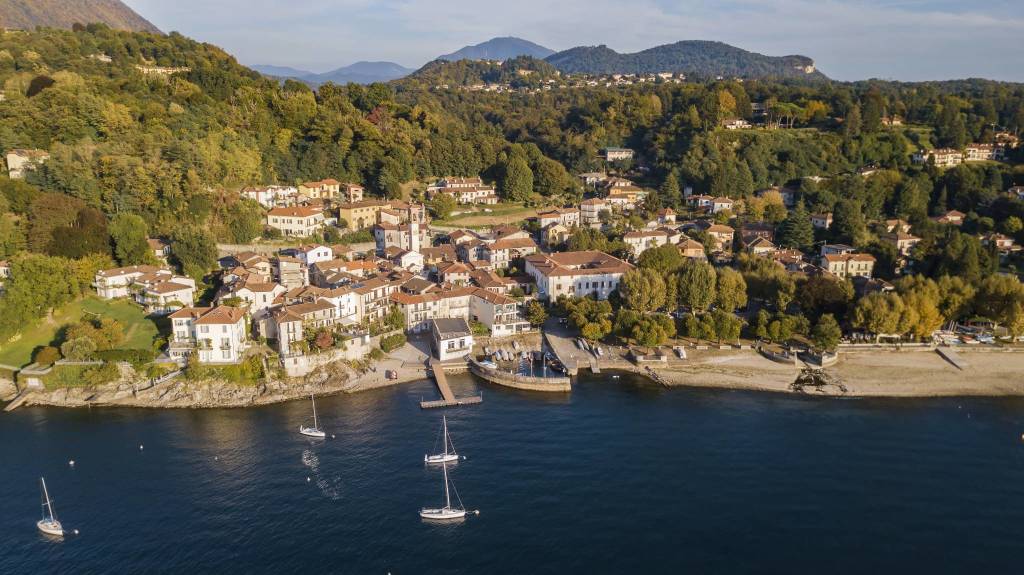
(621, 476)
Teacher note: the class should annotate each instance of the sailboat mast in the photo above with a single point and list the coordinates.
(447, 496)
(315, 424)
(49, 506)
(445, 419)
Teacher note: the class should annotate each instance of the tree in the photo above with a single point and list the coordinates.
(826, 334)
(848, 224)
(921, 298)
(1000, 298)
(46, 355)
(517, 180)
(731, 290)
(880, 314)
(697, 285)
(824, 294)
(128, 233)
(245, 221)
(78, 349)
(727, 326)
(956, 297)
(442, 205)
(394, 319)
(664, 260)
(670, 193)
(592, 317)
(796, 231)
(535, 313)
(194, 250)
(643, 290)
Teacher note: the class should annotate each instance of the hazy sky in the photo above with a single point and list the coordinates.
(848, 39)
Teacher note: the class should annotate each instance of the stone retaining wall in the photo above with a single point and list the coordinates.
(525, 382)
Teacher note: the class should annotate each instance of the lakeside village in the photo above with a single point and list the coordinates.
(298, 304)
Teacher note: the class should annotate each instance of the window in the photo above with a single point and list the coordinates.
(226, 354)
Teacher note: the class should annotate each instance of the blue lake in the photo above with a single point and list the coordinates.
(621, 476)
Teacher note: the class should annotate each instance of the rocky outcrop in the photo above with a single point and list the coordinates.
(183, 393)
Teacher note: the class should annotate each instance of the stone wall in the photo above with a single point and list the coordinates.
(301, 365)
(525, 382)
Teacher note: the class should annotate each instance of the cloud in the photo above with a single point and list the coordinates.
(849, 39)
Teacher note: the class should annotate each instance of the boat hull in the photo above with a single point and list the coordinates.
(312, 432)
(50, 527)
(442, 514)
(442, 458)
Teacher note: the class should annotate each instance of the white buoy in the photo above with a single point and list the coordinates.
(333, 436)
(140, 447)
(308, 479)
(76, 532)
(477, 512)
(71, 463)
(216, 458)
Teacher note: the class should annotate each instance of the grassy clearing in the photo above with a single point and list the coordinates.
(140, 331)
(500, 214)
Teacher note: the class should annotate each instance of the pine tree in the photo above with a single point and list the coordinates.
(796, 231)
(670, 194)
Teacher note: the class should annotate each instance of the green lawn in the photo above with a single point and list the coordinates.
(139, 330)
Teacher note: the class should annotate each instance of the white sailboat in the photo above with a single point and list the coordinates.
(314, 431)
(447, 512)
(446, 456)
(49, 524)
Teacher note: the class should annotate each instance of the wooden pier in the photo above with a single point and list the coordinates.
(448, 398)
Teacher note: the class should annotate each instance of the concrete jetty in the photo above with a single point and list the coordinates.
(448, 398)
(952, 357)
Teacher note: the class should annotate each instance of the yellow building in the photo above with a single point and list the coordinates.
(361, 215)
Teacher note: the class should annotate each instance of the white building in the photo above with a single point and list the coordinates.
(218, 335)
(271, 196)
(576, 274)
(643, 240)
(21, 161)
(296, 221)
(451, 338)
(617, 154)
(849, 265)
(590, 211)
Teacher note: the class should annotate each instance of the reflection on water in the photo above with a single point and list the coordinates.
(620, 476)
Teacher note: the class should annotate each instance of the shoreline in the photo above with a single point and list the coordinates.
(858, 374)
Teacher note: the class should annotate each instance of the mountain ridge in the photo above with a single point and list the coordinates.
(362, 72)
(28, 14)
(701, 57)
(499, 48)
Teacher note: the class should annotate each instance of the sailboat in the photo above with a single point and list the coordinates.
(446, 456)
(447, 512)
(314, 431)
(49, 524)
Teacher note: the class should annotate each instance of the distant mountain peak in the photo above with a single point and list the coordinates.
(362, 72)
(27, 14)
(501, 48)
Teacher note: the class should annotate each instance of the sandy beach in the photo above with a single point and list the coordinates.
(874, 373)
